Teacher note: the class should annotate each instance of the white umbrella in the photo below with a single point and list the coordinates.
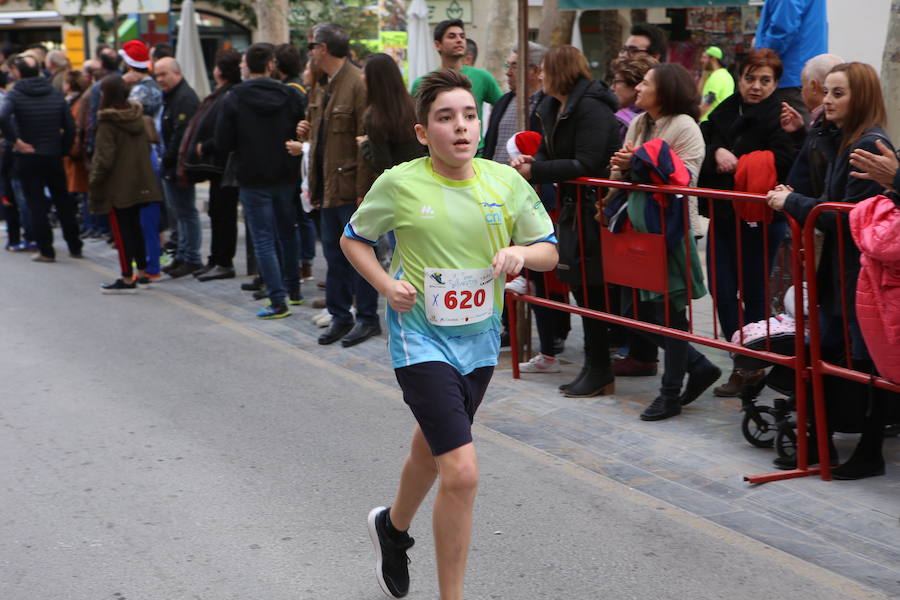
(420, 45)
(188, 52)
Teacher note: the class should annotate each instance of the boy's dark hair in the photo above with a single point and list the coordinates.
(229, 62)
(287, 60)
(161, 51)
(472, 50)
(441, 28)
(27, 66)
(436, 83)
(335, 38)
(659, 45)
(258, 56)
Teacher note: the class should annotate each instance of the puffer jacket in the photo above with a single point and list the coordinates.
(875, 225)
(38, 114)
(121, 172)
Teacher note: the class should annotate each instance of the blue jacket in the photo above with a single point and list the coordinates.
(38, 114)
(797, 30)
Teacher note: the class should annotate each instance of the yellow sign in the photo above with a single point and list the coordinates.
(74, 43)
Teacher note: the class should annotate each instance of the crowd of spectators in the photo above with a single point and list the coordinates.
(124, 140)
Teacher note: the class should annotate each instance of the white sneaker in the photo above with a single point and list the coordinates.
(520, 286)
(540, 364)
(322, 319)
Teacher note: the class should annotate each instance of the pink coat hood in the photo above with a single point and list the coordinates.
(875, 225)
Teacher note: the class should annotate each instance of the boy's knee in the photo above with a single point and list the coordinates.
(460, 476)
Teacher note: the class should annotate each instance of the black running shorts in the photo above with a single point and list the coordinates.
(443, 401)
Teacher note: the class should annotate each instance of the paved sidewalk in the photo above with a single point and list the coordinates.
(695, 461)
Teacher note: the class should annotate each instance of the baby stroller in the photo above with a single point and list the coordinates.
(767, 426)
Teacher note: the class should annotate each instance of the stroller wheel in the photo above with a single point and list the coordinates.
(759, 427)
(786, 442)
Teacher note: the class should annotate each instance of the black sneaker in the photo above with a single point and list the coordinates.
(392, 565)
(118, 287)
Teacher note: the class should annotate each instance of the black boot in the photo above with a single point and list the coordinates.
(662, 408)
(596, 381)
(867, 459)
(584, 371)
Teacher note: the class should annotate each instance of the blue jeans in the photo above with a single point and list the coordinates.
(150, 227)
(21, 204)
(343, 282)
(756, 271)
(271, 214)
(183, 202)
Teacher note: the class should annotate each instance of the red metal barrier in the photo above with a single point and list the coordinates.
(796, 362)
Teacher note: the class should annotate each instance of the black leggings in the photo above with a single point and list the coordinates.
(126, 228)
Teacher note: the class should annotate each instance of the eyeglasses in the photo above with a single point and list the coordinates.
(632, 50)
(312, 45)
(510, 65)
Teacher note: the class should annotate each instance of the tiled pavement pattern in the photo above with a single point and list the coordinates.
(695, 461)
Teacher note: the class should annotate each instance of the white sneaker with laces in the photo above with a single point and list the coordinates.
(540, 364)
(520, 286)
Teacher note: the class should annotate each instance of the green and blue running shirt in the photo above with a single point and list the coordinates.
(448, 227)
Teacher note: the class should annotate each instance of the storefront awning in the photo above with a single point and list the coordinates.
(608, 4)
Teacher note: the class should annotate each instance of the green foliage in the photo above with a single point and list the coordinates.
(242, 9)
(360, 21)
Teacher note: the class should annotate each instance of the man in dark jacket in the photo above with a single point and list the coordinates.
(180, 102)
(36, 119)
(258, 116)
(503, 123)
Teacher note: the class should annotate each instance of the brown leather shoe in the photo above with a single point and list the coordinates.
(306, 272)
(632, 367)
(738, 379)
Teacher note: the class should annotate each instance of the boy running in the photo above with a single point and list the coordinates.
(454, 217)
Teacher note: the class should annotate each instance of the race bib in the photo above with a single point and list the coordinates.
(458, 296)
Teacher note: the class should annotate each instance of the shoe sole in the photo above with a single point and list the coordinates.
(607, 390)
(523, 369)
(660, 417)
(278, 316)
(373, 535)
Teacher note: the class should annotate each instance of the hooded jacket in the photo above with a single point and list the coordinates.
(36, 113)
(256, 118)
(577, 142)
(875, 224)
(121, 173)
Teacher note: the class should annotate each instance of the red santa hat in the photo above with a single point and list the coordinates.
(524, 142)
(135, 54)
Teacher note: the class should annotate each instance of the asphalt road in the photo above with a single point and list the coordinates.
(152, 449)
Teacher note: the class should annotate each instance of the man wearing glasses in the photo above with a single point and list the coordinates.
(645, 40)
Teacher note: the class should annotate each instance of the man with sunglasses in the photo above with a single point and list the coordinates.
(337, 180)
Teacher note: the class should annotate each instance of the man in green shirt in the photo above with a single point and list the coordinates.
(450, 43)
(719, 83)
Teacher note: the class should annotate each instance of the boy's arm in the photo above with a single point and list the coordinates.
(540, 256)
(400, 293)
